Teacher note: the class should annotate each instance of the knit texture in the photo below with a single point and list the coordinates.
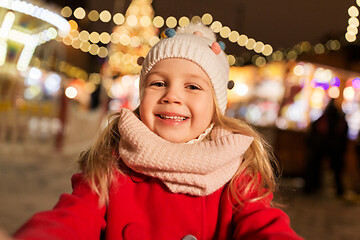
(197, 169)
(197, 49)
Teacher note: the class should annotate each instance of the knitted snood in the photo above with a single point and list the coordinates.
(197, 169)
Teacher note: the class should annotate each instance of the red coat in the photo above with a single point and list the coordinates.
(141, 207)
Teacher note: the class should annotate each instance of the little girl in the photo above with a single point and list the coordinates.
(176, 167)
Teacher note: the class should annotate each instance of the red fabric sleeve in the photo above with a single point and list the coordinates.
(76, 216)
(257, 220)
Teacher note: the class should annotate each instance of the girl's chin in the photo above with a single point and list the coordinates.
(175, 137)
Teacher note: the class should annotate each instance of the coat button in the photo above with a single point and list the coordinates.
(189, 237)
(133, 231)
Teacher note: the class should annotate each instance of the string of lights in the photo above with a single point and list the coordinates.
(95, 43)
(263, 52)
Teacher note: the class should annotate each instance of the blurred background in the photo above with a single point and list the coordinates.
(295, 72)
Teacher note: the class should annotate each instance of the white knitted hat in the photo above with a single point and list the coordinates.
(196, 43)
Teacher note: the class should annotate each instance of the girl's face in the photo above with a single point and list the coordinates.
(177, 102)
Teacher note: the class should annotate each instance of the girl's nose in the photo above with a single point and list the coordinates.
(171, 96)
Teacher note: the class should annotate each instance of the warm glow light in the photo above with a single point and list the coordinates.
(234, 36)
(115, 38)
(93, 15)
(225, 32)
(231, 60)
(94, 37)
(3, 52)
(67, 41)
(73, 25)
(291, 55)
(74, 34)
(89, 87)
(153, 40)
(105, 16)
(349, 93)
(135, 41)
(38, 12)
(353, 21)
(260, 62)
(7, 24)
(85, 46)
(352, 30)
(132, 20)
(195, 19)
(94, 49)
(278, 56)
(118, 19)
(242, 41)
(105, 37)
(267, 51)
(250, 44)
(206, 18)
(350, 37)
(317, 97)
(305, 46)
(76, 43)
(216, 26)
(84, 36)
(79, 13)
(124, 39)
(66, 12)
(333, 44)
(184, 21)
(353, 11)
(103, 52)
(145, 21)
(158, 21)
(334, 92)
(299, 70)
(319, 48)
(241, 89)
(71, 92)
(51, 33)
(259, 47)
(171, 22)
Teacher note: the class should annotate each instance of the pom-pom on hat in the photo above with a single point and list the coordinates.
(197, 43)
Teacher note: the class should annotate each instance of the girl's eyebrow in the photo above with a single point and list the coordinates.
(191, 75)
(187, 75)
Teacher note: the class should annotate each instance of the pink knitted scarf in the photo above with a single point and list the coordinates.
(197, 169)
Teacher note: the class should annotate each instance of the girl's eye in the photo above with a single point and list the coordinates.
(193, 87)
(157, 84)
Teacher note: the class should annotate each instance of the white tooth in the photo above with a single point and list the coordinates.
(176, 118)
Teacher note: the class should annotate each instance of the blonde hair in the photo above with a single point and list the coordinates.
(259, 165)
(253, 180)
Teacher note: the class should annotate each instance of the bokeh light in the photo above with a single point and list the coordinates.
(93, 15)
(334, 92)
(118, 19)
(79, 13)
(356, 83)
(158, 21)
(71, 92)
(105, 16)
(207, 18)
(349, 93)
(335, 81)
(66, 12)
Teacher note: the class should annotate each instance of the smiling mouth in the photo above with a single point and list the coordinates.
(174, 118)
